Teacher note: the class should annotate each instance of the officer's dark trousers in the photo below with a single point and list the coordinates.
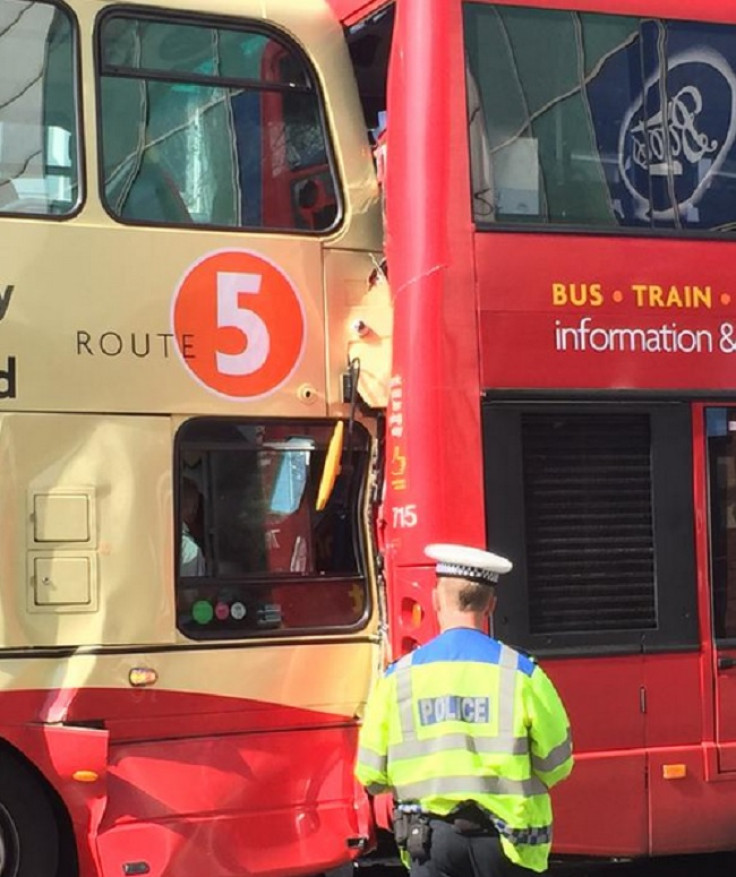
(465, 855)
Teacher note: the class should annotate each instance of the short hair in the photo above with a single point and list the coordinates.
(468, 596)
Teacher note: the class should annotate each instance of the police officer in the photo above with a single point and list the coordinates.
(469, 735)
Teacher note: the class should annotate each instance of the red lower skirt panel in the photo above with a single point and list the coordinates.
(279, 802)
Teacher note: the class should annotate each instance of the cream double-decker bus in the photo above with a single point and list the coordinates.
(189, 614)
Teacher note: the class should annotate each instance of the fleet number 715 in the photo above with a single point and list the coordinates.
(405, 516)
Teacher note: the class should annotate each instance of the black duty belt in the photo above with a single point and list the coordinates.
(464, 825)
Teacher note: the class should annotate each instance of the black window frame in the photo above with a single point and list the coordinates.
(77, 88)
(673, 529)
(718, 554)
(578, 229)
(269, 31)
(361, 541)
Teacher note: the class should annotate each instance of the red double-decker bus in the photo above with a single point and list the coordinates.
(560, 214)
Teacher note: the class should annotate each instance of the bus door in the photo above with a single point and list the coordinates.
(720, 438)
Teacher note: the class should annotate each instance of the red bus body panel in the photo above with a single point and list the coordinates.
(532, 288)
(57, 752)
(433, 460)
(252, 787)
(484, 311)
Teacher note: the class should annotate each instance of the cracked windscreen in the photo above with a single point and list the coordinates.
(600, 121)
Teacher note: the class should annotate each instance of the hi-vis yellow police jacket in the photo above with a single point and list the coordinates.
(467, 718)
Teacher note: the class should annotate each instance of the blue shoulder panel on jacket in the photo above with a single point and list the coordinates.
(526, 665)
(462, 644)
(459, 644)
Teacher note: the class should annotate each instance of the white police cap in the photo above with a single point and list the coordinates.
(464, 562)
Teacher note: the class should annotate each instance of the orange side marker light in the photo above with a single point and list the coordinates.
(140, 677)
(674, 771)
(85, 776)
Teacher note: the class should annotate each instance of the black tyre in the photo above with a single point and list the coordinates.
(29, 837)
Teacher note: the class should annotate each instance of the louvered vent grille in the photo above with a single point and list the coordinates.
(588, 507)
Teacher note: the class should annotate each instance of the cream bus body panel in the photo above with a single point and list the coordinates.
(95, 334)
(314, 677)
(87, 452)
(89, 323)
(116, 585)
(90, 320)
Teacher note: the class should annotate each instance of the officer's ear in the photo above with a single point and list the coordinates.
(492, 602)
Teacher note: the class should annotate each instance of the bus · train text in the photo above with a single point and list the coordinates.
(642, 295)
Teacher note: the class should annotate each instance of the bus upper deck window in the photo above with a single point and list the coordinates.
(593, 120)
(206, 125)
(38, 110)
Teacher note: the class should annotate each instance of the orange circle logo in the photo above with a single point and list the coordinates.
(238, 323)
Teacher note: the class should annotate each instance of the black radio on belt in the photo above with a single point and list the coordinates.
(412, 831)
(420, 834)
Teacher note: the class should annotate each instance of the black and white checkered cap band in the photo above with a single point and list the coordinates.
(475, 573)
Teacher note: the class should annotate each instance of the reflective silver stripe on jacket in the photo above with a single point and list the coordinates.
(481, 785)
(490, 745)
(507, 665)
(555, 758)
(404, 698)
(369, 758)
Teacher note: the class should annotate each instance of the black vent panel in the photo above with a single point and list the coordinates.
(588, 519)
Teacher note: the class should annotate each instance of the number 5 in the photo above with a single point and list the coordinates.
(230, 314)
